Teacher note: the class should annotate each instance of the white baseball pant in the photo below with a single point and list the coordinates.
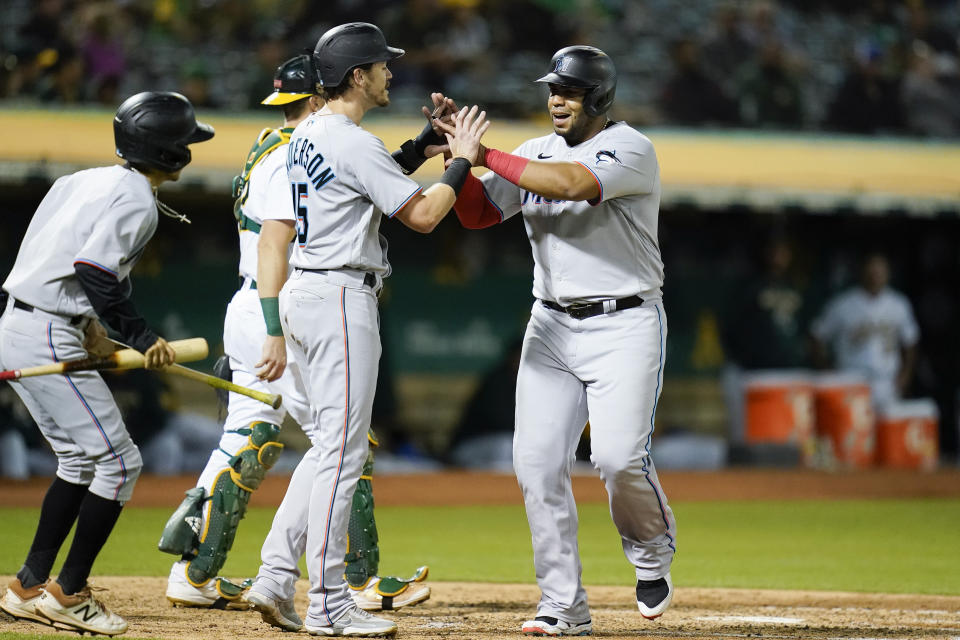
(608, 369)
(244, 332)
(332, 327)
(76, 413)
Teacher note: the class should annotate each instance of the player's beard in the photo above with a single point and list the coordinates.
(381, 98)
(577, 131)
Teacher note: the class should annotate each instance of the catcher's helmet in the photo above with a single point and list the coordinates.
(294, 80)
(153, 129)
(587, 68)
(347, 46)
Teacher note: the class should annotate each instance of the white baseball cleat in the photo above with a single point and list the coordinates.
(277, 613)
(654, 596)
(376, 596)
(79, 611)
(356, 622)
(218, 593)
(549, 626)
(22, 603)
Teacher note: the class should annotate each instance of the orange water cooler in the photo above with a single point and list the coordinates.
(778, 409)
(846, 430)
(907, 435)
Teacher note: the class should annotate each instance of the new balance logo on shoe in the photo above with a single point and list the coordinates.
(88, 613)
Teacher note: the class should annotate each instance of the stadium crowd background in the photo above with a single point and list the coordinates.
(856, 66)
(456, 303)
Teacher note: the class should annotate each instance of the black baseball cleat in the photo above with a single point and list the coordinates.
(654, 596)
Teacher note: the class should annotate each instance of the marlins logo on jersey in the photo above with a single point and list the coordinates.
(607, 156)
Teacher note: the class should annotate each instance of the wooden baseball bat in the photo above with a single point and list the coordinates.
(187, 351)
(272, 399)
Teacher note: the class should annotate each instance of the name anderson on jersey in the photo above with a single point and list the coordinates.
(301, 153)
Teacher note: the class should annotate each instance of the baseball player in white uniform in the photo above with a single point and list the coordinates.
(342, 181)
(594, 347)
(73, 268)
(871, 329)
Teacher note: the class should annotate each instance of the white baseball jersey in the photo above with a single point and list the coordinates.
(606, 368)
(589, 251)
(343, 180)
(866, 332)
(102, 217)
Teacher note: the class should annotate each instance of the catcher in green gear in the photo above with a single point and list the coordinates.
(202, 530)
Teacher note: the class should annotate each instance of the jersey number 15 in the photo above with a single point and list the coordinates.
(299, 190)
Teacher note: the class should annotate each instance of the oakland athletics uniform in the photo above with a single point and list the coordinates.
(342, 180)
(606, 368)
(101, 218)
(262, 194)
(866, 333)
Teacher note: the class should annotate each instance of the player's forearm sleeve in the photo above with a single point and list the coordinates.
(473, 208)
(109, 299)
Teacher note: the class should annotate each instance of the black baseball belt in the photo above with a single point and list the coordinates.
(582, 311)
(369, 278)
(29, 308)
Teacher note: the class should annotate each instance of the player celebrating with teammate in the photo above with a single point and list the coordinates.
(342, 181)
(73, 268)
(589, 194)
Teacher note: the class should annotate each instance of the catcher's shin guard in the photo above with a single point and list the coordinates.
(369, 591)
(226, 505)
(363, 552)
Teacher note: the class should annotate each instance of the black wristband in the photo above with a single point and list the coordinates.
(406, 156)
(427, 137)
(412, 153)
(456, 174)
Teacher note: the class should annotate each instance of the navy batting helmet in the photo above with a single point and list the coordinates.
(294, 80)
(347, 46)
(153, 129)
(587, 68)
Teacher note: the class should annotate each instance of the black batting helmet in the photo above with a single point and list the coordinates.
(153, 129)
(587, 68)
(347, 46)
(294, 80)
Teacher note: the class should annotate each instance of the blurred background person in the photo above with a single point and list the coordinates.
(765, 326)
(870, 329)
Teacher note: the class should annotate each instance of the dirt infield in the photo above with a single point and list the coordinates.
(497, 610)
(465, 488)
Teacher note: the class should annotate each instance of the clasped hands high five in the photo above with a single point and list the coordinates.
(462, 128)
